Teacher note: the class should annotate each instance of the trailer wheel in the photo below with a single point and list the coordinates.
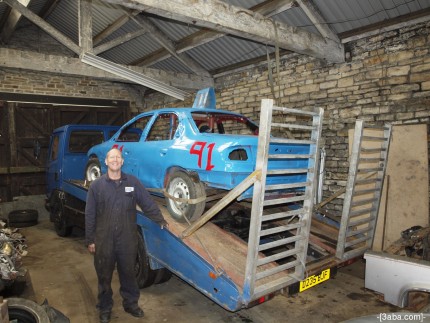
(163, 275)
(93, 169)
(25, 311)
(182, 186)
(144, 274)
(62, 228)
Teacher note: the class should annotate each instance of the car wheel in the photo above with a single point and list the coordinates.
(182, 186)
(93, 169)
(60, 221)
(144, 274)
(26, 311)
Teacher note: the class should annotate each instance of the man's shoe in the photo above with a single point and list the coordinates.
(135, 311)
(104, 317)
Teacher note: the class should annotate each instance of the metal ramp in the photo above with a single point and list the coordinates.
(363, 190)
(282, 198)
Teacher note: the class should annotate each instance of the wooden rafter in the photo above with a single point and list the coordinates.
(316, 18)
(220, 16)
(12, 58)
(267, 8)
(48, 8)
(11, 22)
(117, 24)
(35, 19)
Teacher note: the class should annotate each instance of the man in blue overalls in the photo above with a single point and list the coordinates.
(111, 232)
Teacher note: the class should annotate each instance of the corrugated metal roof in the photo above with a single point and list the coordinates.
(340, 15)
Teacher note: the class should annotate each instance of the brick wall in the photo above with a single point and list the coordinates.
(387, 79)
(28, 82)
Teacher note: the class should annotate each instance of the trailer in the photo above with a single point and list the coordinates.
(242, 253)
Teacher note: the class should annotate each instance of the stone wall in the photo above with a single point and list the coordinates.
(386, 79)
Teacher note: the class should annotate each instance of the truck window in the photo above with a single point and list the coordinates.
(81, 141)
(164, 127)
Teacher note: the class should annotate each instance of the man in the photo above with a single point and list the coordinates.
(111, 232)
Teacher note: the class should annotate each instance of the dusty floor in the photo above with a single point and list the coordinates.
(61, 271)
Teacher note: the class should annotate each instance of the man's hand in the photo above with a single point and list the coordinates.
(92, 248)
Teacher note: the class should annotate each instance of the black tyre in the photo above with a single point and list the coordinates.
(59, 218)
(25, 311)
(182, 186)
(163, 275)
(23, 218)
(93, 169)
(144, 274)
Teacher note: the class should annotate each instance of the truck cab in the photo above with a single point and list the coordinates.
(67, 157)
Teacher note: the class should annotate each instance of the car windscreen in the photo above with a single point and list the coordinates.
(224, 123)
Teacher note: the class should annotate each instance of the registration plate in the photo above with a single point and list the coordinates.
(314, 280)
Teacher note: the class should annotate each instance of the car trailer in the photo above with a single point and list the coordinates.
(288, 246)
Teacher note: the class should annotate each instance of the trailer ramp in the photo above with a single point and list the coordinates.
(281, 213)
(368, 163)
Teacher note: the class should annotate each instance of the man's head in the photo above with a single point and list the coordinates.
(114, 160)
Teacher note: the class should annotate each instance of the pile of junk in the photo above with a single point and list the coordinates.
(14, 276)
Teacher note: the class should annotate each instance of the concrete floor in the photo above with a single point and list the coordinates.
(61, 271)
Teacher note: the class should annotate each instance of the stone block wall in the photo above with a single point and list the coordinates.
(386, 79)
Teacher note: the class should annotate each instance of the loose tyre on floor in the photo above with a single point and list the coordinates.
(25, 311)
(23, 218)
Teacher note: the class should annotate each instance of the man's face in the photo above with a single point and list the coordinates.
(114, 160)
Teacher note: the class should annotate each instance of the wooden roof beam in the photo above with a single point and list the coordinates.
(11, 22)
(158, 36)
(267, 8)
(33, 61)
(316, 18)
(35, 19)
(48, 8)
(117, 24)
(220, 16)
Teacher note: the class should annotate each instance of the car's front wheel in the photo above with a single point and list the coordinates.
(182, 186)
(93, 169)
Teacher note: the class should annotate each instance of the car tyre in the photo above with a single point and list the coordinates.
(23, 218)
(26, 311)
(163, 275)
(61, 225)
(144, 274)
(182, 186)
(93, 169)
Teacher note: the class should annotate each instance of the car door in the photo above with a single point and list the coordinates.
(129, 142)
(156, 150)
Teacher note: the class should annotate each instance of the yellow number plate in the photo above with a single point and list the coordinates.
(314, 280)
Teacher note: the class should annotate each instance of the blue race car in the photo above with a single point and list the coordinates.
(186, 151)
